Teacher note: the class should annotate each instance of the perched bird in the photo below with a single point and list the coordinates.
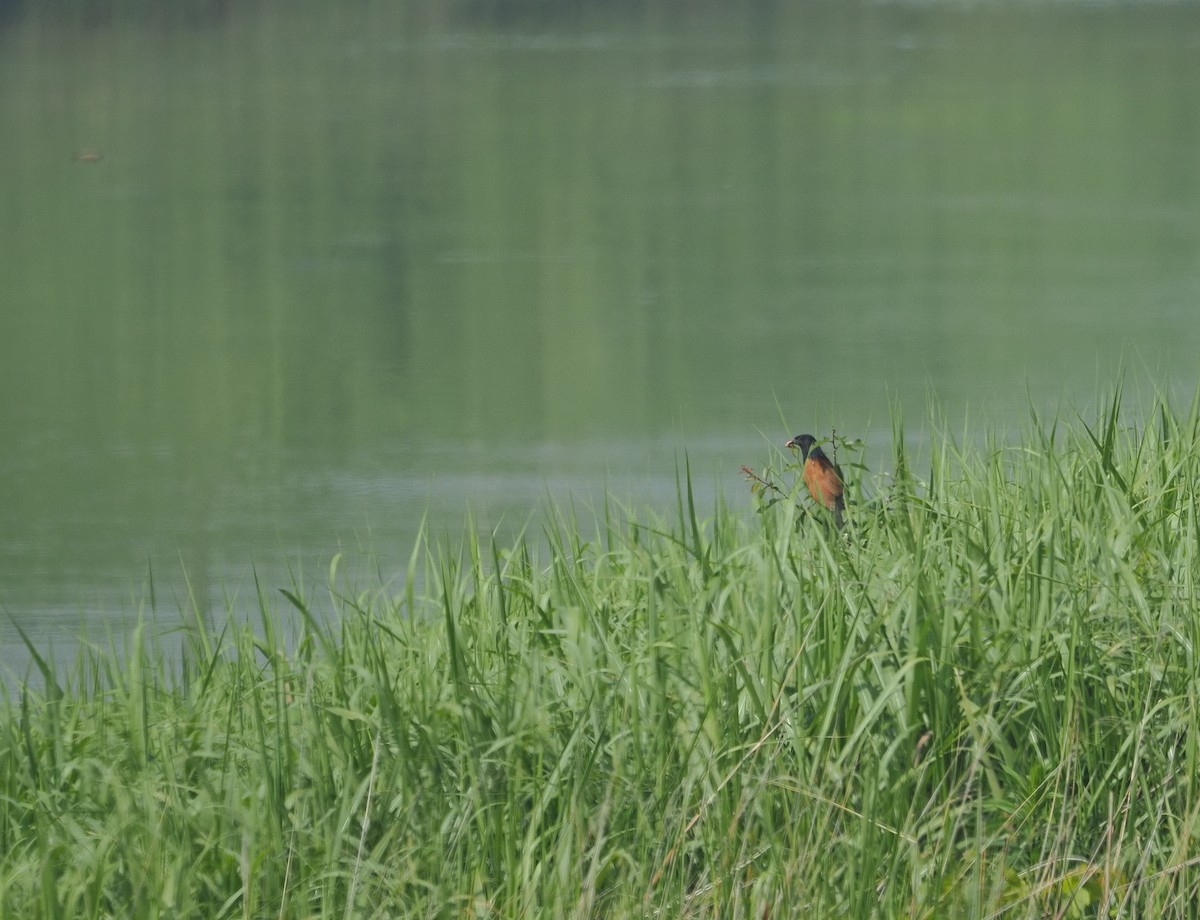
(824, 480)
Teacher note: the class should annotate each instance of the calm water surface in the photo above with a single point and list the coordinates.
(280, 279)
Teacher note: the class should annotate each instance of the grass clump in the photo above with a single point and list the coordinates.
(978, 700)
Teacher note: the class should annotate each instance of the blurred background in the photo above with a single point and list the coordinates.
(282, 278)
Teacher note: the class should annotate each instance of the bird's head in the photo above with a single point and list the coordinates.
(802, 441)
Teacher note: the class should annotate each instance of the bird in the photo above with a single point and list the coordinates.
(824, 480)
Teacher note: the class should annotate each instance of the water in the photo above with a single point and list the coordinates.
(281, 279)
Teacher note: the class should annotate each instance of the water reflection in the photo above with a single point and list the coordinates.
(338, 269)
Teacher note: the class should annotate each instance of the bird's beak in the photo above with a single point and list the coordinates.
(791, 443)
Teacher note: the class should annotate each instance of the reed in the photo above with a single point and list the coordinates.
(978, 700)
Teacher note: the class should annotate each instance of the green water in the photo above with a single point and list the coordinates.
(339, 265)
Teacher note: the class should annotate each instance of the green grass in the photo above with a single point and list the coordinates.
(980, 700)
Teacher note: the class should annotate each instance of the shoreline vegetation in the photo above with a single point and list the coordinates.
(980, 699)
